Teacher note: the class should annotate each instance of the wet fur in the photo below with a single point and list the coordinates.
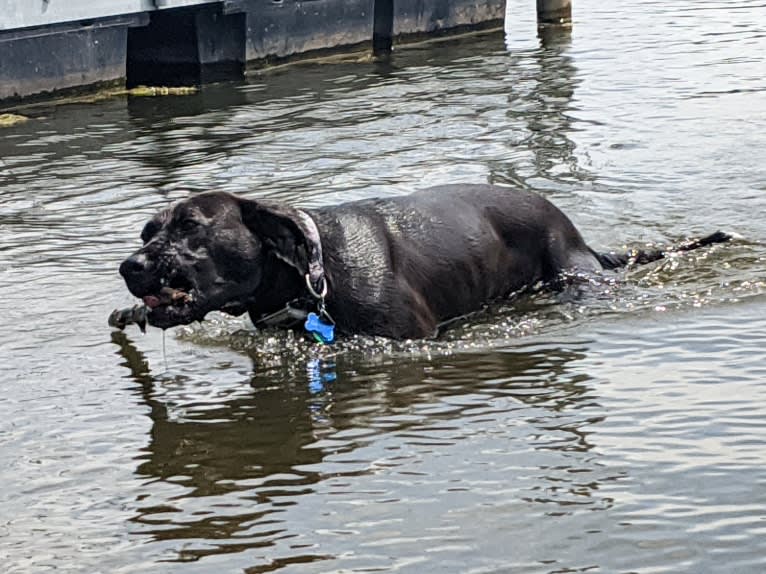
(396, 267)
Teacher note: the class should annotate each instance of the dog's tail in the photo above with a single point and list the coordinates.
(641, 256)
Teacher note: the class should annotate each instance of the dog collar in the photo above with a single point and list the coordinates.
(319, 325)
(311, 313)
(315, 276)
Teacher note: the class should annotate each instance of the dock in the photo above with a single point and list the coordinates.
(49, 47)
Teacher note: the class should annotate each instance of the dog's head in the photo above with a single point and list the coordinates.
(214, 251)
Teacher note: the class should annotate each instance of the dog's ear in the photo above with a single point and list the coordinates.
(289, 233)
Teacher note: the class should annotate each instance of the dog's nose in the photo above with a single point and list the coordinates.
(133, 267)
(139, 275)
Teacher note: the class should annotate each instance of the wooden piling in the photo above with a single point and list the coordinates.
(554, 12)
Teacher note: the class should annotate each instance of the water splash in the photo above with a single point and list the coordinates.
(714, 276)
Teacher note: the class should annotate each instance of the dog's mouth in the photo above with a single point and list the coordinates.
(167, 297)
(172, 306)
(178, 299)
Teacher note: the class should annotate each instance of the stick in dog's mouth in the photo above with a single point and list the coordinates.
(136, 315)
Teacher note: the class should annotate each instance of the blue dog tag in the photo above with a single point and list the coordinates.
(323, 332)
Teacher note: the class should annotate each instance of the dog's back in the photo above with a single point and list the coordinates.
(411, 262)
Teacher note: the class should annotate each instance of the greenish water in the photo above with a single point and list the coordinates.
(619, 431)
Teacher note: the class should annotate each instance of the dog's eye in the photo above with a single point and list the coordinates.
(149, 231)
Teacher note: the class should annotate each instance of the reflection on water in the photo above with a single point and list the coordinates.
(614, 427)
(259, 453)
(542, 101)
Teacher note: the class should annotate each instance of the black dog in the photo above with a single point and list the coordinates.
(398, 267)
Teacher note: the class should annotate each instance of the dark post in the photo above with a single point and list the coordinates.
(554, 12)
(383, 27)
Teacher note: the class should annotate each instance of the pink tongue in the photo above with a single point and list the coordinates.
(151, 301)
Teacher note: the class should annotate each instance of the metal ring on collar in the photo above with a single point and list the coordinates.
(313, 291)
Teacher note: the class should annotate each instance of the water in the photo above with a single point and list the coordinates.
(620, 430)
